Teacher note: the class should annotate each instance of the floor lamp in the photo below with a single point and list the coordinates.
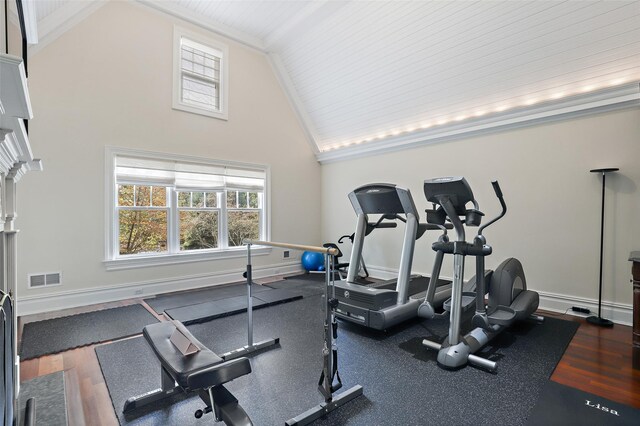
(598, 320)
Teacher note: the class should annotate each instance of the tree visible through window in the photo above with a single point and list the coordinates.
(244, 217)
(142, 216)
(198, 215)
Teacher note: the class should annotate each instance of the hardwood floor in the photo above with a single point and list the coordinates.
(598, 361)
(88, 401)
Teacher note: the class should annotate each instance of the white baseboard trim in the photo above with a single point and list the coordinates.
(619, 313)
(27, 305)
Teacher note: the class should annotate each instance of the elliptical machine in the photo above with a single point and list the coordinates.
(342, 268)
(509, 300)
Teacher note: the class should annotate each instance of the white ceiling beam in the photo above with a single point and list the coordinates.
(296, 104)
(182, 12)
(312, 14)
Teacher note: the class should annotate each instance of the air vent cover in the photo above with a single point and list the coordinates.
(45, 280)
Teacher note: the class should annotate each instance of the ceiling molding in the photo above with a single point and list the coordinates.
(62, 20)
(296, 104)
(619, 97)
(208, 24)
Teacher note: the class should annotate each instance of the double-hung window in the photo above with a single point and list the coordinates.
(200, 74)
(168, 208)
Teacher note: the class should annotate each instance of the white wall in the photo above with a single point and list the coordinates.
(108, 82)
(553, 221)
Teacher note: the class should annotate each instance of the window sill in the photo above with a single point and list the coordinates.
(172, 259)
(221, 115)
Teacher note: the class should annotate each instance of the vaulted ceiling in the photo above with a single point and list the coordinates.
(362, 71)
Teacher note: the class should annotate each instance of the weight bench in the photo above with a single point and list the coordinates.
(203, 372)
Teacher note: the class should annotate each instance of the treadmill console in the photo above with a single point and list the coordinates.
(382, 198)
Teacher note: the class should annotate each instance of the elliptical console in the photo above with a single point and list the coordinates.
(509, 299)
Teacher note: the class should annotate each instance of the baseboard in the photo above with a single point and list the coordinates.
(620, 313)
(27, 305)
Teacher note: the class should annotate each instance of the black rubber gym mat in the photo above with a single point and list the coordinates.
(207, 311)
(60, 334)
(402, 383)
(276, 296)
(185, 298)
(311, 276)
(306, 286)
(562, 405)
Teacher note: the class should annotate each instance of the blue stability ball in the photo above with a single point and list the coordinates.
(312, 261)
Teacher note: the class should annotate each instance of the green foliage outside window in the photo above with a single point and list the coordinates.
(198, 230)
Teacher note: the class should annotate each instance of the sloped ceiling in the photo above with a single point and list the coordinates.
(362, 71)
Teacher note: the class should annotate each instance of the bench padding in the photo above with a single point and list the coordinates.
(202, 369)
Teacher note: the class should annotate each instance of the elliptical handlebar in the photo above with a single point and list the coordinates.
(498, 191)
(496, 188)
(350, 237)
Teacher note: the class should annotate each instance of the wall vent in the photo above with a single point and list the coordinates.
(45, 280)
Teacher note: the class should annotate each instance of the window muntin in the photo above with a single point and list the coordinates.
(165, 207)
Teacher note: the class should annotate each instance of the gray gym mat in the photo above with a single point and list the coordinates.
(564, 406)
(48, 391)
(275, 296)
(60, 334)
(208, 311)
(193, 297)
(402, 383)
(307, 286)
(311, 276)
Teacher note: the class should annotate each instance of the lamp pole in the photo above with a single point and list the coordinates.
(598, 320)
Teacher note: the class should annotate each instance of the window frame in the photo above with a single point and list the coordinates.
(114, 261)
(222, 113)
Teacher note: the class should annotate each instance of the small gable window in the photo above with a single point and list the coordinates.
(200, 75)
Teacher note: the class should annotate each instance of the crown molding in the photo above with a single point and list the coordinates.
(619, 97)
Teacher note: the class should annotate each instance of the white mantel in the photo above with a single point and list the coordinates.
(16, 157)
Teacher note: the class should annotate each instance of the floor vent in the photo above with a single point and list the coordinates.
(45, 280)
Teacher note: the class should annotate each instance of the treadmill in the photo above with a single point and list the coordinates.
(384, 304)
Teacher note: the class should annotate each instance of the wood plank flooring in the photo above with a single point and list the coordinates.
(597, 360)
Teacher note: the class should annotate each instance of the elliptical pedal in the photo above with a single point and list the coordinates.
(502, 315)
